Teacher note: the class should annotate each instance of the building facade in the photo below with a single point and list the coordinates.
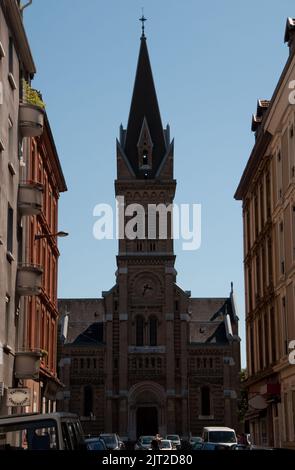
(16, 62)
(30, 182)
(268, 194)
(40, 311)
(147, 357)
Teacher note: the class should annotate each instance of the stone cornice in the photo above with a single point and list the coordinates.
(14, 19)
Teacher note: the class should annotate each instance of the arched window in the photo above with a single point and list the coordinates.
(88, 401)
(139, 331)
(153, 326)
(205, 401)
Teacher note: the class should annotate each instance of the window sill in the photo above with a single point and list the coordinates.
(11, 169)
(7, 349)
(10, 256)
(2, 51)
(12, 81)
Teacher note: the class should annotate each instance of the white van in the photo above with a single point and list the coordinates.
(35, 431)
(219, 435)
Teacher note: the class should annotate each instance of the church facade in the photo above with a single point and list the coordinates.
(147, 357)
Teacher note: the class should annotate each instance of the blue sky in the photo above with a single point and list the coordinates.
(211, 61)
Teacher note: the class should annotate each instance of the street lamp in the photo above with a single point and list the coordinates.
(50, 235)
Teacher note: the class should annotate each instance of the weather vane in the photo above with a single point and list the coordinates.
(142, 19)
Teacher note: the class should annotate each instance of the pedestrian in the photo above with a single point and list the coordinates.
(155, 444)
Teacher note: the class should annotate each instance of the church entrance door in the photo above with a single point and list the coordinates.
(146, 421)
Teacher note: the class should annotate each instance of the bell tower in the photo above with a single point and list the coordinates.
(143, 338)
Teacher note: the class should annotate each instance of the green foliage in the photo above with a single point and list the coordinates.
(32, 96)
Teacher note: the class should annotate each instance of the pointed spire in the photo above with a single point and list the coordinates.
(144, 105)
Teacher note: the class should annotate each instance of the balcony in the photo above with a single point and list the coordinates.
(30, 196)
(31, 112)
(27, 364)
(31, 120)
(29, 279)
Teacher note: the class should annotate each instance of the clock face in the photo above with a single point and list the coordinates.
(146, 288)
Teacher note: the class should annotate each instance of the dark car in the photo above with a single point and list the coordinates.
(112, 441)
(214, 446)
(95, 443)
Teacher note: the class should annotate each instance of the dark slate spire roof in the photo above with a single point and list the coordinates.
(144, 104)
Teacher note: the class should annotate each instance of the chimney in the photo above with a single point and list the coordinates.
(290, 34)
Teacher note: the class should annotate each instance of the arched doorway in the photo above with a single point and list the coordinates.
(146, 410)
(146, 421)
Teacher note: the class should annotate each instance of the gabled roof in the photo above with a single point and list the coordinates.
(92, 336)
(144, 104)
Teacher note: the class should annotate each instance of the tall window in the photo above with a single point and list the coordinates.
(258, 279)
(250, 288)
(153, 326)
(252, 349)
(268, 195)
(248, 230)
(7, 318)
(256, 216)
(261, 195)
(139, 331)
(260, 344)
(266, 342)
(281, 248)
(273, 335)
(10, 139)
(10, 55)
(9, 229)
(285, 326)
(88, 401)
(205, 401)
(269, 256)
(280, 175)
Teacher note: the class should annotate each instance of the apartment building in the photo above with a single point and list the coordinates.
(267, 191)
(30, 182)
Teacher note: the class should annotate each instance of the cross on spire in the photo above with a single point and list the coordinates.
(142, 19)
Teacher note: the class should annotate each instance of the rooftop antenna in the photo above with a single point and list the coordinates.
(142, 19)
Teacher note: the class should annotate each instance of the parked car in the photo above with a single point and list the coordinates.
(95, 443)
(144, 443)
(196, 442)
(219, 435)
(214, 446)
(175, 439)
(165, 444)
(112, 441)
(36, 431)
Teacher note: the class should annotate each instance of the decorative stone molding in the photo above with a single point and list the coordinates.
(169, 316)
(123, 270)
(147, 349)
(184, 317)
(170, 270)
(123, 316)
